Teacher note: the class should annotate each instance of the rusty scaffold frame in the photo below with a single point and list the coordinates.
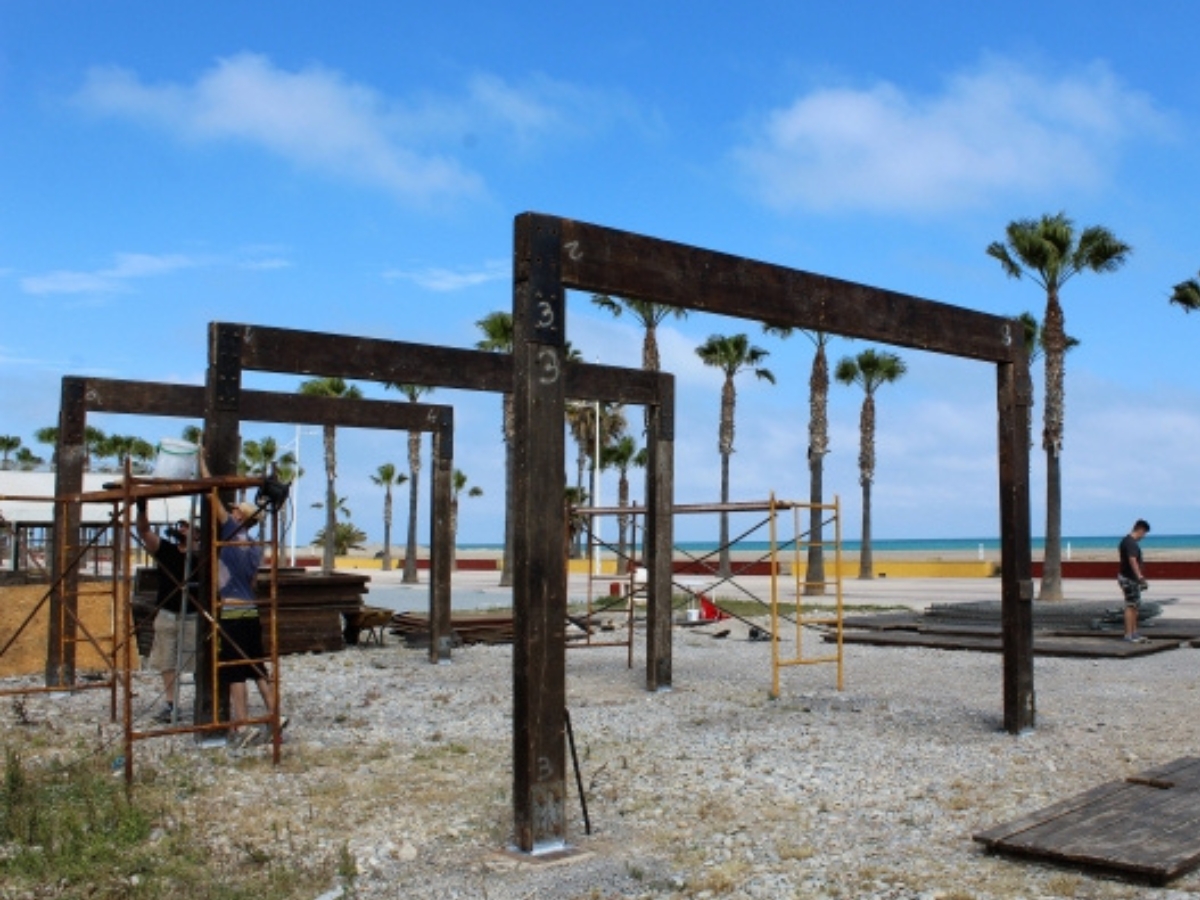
(81, 396)
(552, 255)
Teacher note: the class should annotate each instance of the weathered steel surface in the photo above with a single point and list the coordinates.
(1014, 394)
(1147, 826)
(607, 261)
(539, 571)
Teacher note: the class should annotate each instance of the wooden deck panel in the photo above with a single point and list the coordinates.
(1043, 645)
(1130, 827)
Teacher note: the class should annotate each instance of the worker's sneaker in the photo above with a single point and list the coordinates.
(1136, 639)
(165, 714)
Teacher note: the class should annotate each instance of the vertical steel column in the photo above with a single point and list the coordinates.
(70, 459)
(539, 570)
(441, 539)
(222, 446)
(660, 522)
(1016, 613)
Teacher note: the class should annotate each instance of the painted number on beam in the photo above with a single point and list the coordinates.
(547, 364)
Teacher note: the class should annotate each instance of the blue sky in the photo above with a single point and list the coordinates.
(356, 169)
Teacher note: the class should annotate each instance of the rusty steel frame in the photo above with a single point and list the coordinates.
(83, 395)
(553, 254)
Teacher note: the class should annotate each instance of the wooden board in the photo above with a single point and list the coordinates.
(1146, 826)
(1043, 645)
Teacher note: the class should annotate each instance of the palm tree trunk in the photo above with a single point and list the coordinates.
(1052, 590)
(725, 570)
(866, 561)
(725, 446)
(1055, 342)
(414, 468)
(622, 521)
(386, 564)
(506, 578)
(866, 468)
(818, 446)
(580, 462)
(453, 533)
(327, 557)
(814, 577)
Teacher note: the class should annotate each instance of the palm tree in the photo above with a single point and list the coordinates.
(8, 443)
(193, 434)
(732, 354)
(818, 447)
(581, 420)
(94, 443)
(386, 476)
(869, 370)
(1187, 295)
(49, 435)
(26, 460)
(573, 497)
(344, 537)
(649, 315)
(497, 328)
(330, 387)
(1047, 250)
(459, 484)
(621, 455)
(413, 392)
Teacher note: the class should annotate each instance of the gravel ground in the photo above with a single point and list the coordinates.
(709, 790)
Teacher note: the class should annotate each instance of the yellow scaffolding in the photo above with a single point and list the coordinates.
(800, 620)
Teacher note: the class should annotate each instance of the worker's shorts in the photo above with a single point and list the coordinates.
(168, 636)
(1132, 589)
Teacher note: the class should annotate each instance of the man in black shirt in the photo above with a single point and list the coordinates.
(1131, 577)
(171, 555)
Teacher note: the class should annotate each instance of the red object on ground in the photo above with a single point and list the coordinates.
(709, 611)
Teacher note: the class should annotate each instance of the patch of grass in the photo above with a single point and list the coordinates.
(75, 827)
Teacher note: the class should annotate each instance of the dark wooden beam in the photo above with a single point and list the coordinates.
(660, 539)
(1015, 397)
(70, 461)
(607, 261)
(285, 350)
(187, 401)
(441, 544)
(539, 552)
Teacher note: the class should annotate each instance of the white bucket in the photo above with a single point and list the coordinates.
(176, 460)
(693, 615)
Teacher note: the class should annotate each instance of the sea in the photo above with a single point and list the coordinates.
(1157, 542)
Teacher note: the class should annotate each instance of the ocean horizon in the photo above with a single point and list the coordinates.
(1157, 542)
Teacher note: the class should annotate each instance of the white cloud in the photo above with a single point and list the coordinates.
(126, 267)
(266, 265)
(997, 129)
(438, 279)
(319, 120)
(315, 118)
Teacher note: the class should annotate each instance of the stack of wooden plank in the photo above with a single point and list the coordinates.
(469, 629)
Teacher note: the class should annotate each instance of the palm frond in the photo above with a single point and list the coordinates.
(1187, 295)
